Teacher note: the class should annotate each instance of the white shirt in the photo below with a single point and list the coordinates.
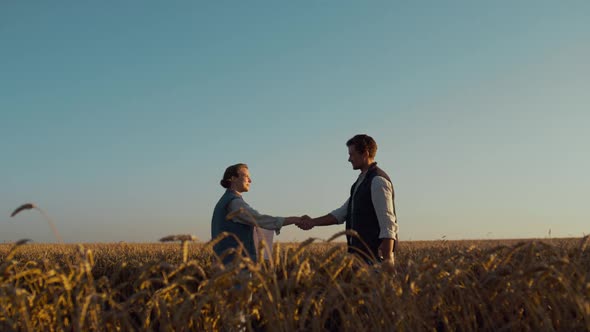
(382, 198)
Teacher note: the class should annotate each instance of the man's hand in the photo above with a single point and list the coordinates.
(305, 223)
(386, 250)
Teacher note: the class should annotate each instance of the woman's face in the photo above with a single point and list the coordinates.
(241, 183)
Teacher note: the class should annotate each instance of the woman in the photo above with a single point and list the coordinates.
(234, 216)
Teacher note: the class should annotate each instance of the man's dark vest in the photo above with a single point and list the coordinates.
(242, 231)
(363, 218)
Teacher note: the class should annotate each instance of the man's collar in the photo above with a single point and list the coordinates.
(372, 166)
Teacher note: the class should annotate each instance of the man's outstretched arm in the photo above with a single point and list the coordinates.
(337, 216)
(310, 223)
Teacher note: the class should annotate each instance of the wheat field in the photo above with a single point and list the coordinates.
(493, 285)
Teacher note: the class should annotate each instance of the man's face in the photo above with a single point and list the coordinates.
(358, 160)
(241, 183)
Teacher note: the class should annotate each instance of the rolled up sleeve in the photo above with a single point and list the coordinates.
(250, 216)
(382, 198)
(340, 213)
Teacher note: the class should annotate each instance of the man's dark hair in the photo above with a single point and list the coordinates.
(363, 143)
(229, 172)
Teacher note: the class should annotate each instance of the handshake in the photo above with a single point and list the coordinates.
(304, 222)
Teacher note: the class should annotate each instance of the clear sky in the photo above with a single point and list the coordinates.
(118, 118)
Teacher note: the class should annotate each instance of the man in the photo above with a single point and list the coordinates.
(370, 209)
(234, 216)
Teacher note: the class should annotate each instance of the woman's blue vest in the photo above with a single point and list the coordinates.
(245, 233)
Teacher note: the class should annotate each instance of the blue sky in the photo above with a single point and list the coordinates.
(118, 119)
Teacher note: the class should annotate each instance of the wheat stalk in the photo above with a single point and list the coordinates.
(29, 206)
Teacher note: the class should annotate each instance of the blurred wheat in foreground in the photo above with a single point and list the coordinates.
(434, 286)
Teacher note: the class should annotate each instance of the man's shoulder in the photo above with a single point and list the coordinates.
(381, 181)
(378, 172)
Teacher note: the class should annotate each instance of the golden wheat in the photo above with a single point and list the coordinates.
(313, 286)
